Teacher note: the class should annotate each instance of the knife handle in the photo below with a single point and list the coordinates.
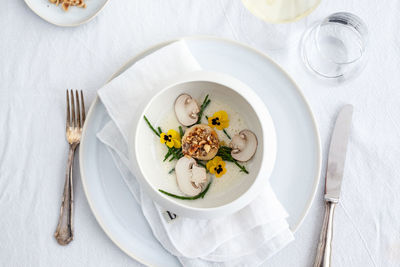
(323, 257)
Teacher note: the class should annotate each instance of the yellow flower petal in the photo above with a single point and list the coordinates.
(210, 122)
(209, 165)
(220, 127)
(220, 169)
(212, 163)
(177, 143)
(223, 116)
(172, 139)
(219, 120)
(174, 134)
(162, 140)
(216, 166)
(225, 124)
(218, 175)
(217, 159)
(170, 143)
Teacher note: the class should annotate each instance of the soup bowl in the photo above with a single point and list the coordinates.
(146, 160)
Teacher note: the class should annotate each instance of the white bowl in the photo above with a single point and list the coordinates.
(153, 176)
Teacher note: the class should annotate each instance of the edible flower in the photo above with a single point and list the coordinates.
(172, 139)
(219, 120)
(216, 166)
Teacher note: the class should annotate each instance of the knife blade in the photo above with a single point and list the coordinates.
(333, 182)
(337, 154)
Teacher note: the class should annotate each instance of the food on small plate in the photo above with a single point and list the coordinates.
(65, 4)
(200, 150)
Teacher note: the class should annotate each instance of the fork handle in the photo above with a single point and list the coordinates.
(323, 257)
(65, 228)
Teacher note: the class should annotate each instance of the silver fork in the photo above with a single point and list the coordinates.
(75, 120)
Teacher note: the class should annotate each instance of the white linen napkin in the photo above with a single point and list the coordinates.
(247, 237)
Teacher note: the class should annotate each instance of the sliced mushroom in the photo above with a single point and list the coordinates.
(244, 145)
(186, 110)
(190, 177)
(199, 176)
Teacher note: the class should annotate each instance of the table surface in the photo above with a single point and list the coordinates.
(38, 61)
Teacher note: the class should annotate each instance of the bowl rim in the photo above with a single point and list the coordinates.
(269, 148)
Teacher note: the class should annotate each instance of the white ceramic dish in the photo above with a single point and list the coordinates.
(298, 160)
(154, 176)
(73, 17)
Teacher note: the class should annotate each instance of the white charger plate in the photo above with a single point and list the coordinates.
(73, 17)
(297, 168)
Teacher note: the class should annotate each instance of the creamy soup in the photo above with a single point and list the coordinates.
(236, 124)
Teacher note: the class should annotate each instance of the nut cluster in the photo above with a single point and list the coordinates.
(199, 142)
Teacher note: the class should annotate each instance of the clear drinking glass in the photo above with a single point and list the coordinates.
(335, 48)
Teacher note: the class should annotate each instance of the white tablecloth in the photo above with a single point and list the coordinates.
(38, 61)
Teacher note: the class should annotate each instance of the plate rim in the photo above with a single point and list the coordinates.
(140, 55)
(70, 24)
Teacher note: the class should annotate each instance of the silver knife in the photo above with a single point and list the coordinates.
(333, 182)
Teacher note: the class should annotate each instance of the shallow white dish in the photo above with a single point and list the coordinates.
(73, 17)
(154, 176)
(298, 160)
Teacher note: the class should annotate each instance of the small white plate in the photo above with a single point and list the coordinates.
(298, 160)
(73, 17)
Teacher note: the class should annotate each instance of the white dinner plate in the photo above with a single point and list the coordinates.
(73, 17)
(298, 162)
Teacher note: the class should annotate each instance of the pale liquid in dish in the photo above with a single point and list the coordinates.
(236, 124)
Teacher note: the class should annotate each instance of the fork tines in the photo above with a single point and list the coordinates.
(75, 118)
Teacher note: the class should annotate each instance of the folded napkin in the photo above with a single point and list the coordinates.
(247, 237)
